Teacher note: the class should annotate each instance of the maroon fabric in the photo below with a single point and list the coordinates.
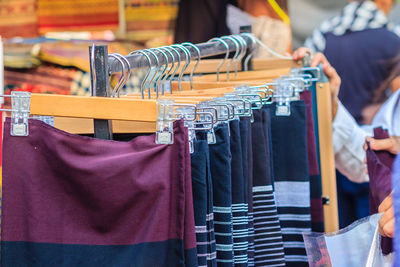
(311, 143)
(69, 189)
(317, 211)
(380, 165)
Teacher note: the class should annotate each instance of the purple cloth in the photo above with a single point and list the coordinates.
(380, 164)
(317, 210)
(102, 196)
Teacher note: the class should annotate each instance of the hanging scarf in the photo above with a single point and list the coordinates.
(355, 17)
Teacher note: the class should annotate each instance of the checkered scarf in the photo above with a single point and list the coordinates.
(355, 17)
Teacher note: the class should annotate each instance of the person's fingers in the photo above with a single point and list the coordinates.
(386, 204)
(334, 79)
(317, 59)
(388, 144)
(301, 53)
(388, 228)
(387, 216)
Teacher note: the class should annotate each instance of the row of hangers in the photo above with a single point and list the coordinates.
(203, 101)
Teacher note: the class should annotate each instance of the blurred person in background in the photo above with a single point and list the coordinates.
(349, 138)
(361, 45)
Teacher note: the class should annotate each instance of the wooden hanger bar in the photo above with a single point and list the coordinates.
(93, 107)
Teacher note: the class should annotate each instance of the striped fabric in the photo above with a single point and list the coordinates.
(212, 246)
(292, 182)
(220, 166)
(247, 152)
(18, 18)
(77, 15)
(267, 232)
(146, 20)
(205, 238)
(239, 207)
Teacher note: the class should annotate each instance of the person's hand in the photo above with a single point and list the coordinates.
(391, 144)
(386, 223)
(330, 72)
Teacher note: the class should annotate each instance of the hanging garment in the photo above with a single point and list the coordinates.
(71, 200)
(380, 165)
(202, 204)
(247, 157)
(220, 165)
(239, 207)
(267, 231)
(396, 204)
(292, 182)
(317, 210)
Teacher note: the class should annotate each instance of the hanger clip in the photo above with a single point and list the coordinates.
(20, 103)
(211, 139)
(165, 122)
(187, 114)
(284, 92)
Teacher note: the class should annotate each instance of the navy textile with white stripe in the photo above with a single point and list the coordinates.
(200, 201)
(268, 236)
(239, 207)
(245, 136)
(220, 165)
(292, 185)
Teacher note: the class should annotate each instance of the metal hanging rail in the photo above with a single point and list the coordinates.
(208, 49)
(102, 67)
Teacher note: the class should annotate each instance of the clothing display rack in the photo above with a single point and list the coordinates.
(104, 67)
(284, 110)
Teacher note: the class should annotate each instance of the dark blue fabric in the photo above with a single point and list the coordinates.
(268, 236)
(202, 204)
(353, 200)
(239, 207)
(362, 67)
(246, 123)
(292, 181)
(220, 165)
(50, 255)
(245, 126)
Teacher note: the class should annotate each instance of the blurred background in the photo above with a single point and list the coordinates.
(46, 41)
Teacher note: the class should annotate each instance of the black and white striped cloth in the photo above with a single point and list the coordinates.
(355, 17)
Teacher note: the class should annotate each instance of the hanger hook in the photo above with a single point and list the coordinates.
(178, 61)
(238, 48)
(155, 73)
(122, 78)
(148, 72)
(252, 49)
(226, 54)
(163, 72)
(169, 71)
(197, 63)
(128, 73)
(187, 62)
(243, 46)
